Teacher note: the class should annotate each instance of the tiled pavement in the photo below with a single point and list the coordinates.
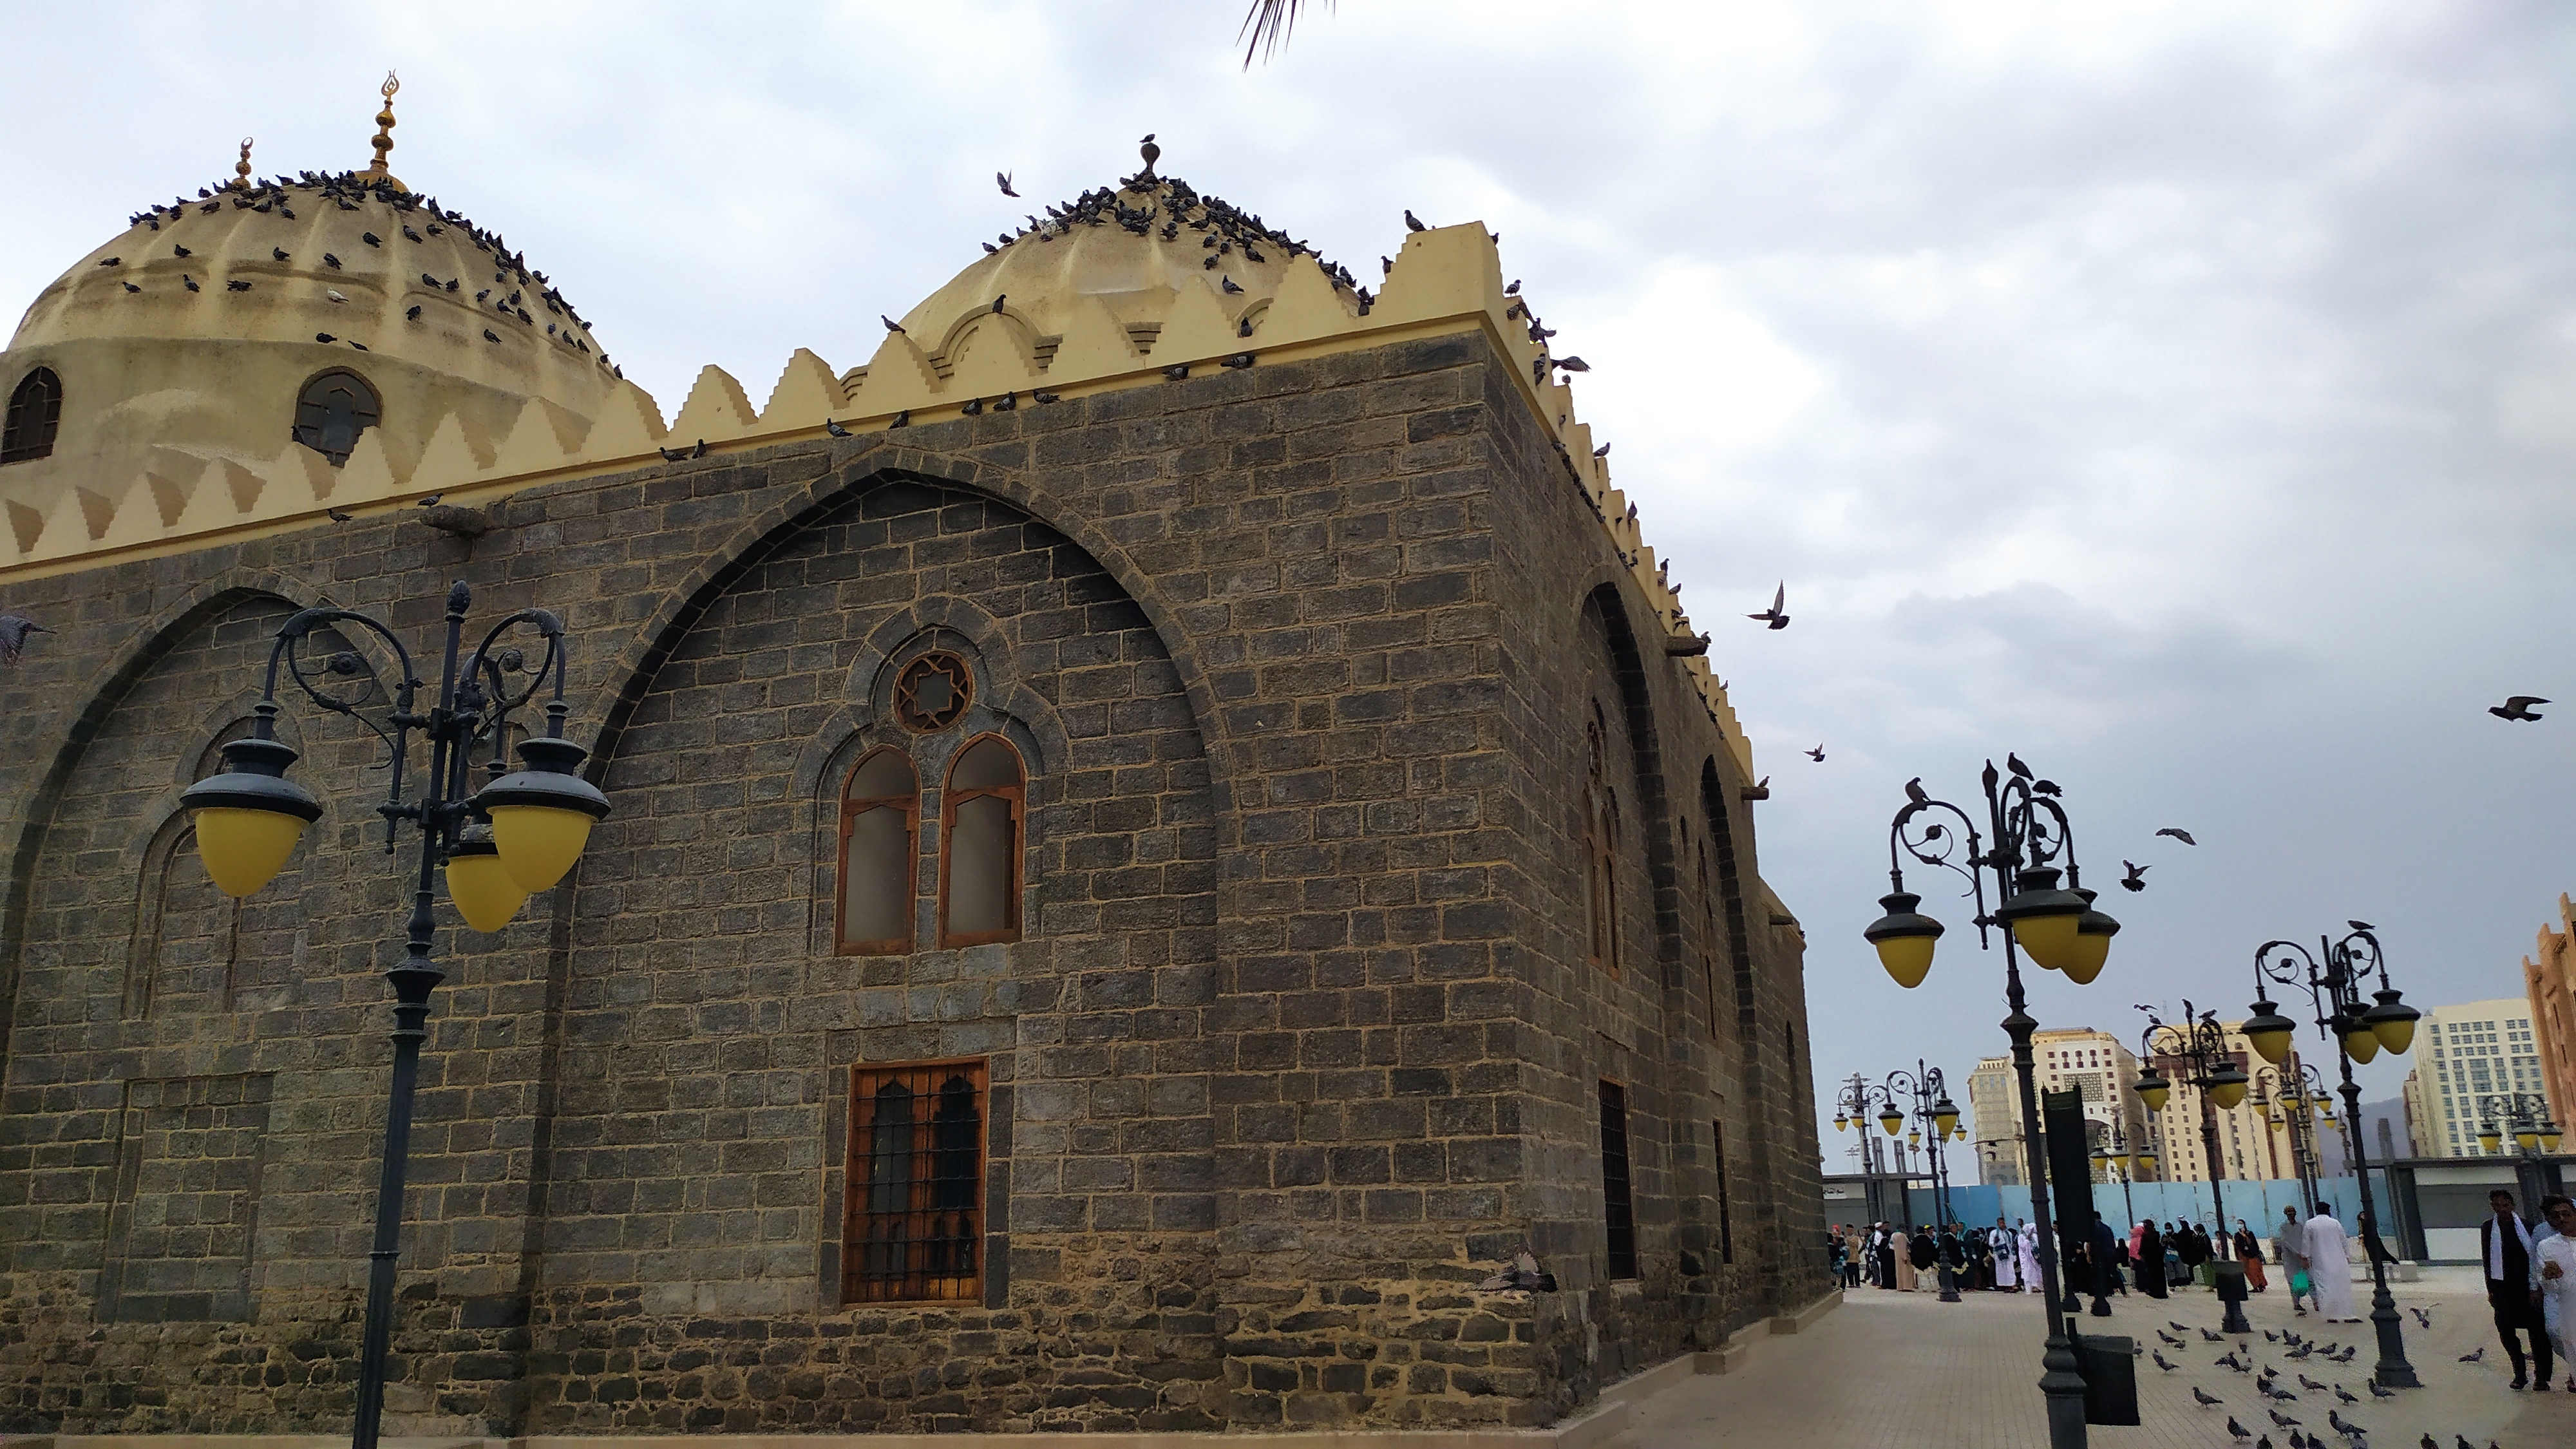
(1900, 1370)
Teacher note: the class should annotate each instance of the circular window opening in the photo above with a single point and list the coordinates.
(932, 692)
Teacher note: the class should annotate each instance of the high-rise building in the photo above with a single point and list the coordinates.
(2468, 1052)
(2248, 1146)
(2088, 1061)
(2551, 982)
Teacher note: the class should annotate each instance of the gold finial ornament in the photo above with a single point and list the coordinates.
(384, 140)
(241, 168)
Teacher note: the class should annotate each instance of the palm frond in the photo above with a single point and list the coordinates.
(1266, 26)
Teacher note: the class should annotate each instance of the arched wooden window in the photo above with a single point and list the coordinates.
(979, 845)
(35, 411)
(880, 828)
(1600, 853)
(333, 410)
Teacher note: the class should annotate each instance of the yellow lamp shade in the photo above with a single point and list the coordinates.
(249, 817)
(1913, 1139)
(2360, 1042)
(2152, 1090)
(244, 849)
(2525, 1138)
(2049, 941)
(1841, 1122)
(484, 891)
(2227, 1089)
(1947, 1121)
(2393, 1022)
(2548, 1139)
(2093, 932)
(541, 816)
(2489, 1139)
(1892, 1121)
(2269, 1032)
(539, 843)
(1961, 1135)
(1904, 938)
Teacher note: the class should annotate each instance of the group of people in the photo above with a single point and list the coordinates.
(2314, 1254)
(2531, 1284)
(1999, 1259)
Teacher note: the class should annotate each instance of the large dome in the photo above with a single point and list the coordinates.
(202, 331)
(1135, 248)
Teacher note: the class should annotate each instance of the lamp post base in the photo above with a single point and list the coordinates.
(1949, 1285)
(2231, 1296)
(2393, 1372)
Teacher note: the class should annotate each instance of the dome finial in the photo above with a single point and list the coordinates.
(1152, 153)
(384, 140)
(241, 168)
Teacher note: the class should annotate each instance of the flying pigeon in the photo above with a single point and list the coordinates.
(1817, 754)
(2517, 707)
(2136, 880)
(2182, 835)
(1523, 1276)
(1775, 617)
(13, 636)
(1003, 180)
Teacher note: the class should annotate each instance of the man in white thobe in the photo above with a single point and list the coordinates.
(2030, 1258)
(2007, 1251)
(2553, 1279)
(2329, 1265)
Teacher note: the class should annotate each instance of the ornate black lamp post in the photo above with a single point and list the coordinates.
(1852, 1109)
(2198, 1044)
(1923, 1096)
(2111, 1155)
(519, 834)
(2292, 1096)
(2057, 928)
(2334, 985)
(2524, 1116)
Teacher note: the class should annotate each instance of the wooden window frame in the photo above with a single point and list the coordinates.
(1618, 1183)
(851, 810)
(34, 415)
(921, 1280)
(908, 712)
(950, 797)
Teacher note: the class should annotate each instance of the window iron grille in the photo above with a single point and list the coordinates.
(914, 1203)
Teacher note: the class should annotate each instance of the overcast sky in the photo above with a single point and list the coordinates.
(2182, 395)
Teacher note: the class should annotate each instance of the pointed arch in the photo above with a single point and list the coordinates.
(880, 841)
(982, 826)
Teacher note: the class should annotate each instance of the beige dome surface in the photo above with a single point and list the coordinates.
(187, 339)
(1136, 250)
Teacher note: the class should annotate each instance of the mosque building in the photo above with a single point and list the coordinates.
(1162, 829)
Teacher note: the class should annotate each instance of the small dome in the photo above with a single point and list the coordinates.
(199, 329)
(1134, 247)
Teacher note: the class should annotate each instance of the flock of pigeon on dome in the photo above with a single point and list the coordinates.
(1225, 228)
(348, 190)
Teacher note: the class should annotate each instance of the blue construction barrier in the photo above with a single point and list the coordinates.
(2259, 1203)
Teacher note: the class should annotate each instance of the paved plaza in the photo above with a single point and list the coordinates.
(1899, 1370)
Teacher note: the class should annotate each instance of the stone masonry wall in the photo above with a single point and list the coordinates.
(1299, 1041)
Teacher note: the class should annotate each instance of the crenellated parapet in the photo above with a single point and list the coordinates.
(958, 352)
